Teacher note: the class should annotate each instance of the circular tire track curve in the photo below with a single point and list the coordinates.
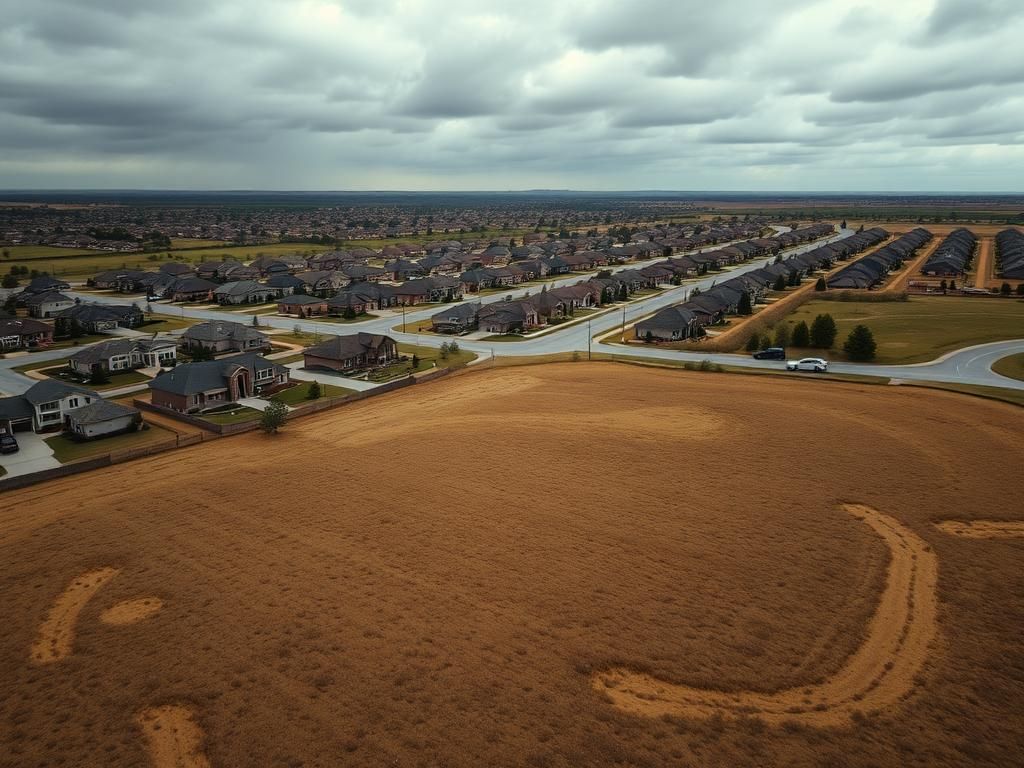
(879, 674)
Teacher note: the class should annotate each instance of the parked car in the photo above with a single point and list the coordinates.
(815, 364)
(771, 353)
(8, 444)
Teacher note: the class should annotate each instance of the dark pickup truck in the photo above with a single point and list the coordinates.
(771, 353)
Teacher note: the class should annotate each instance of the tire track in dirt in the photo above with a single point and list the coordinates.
(57, 633)
(175, 739)
(131, 611)
(879, 674)
(983, 529)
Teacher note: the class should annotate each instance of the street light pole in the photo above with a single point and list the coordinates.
(403, 318)
(589, 338)
(623, 337)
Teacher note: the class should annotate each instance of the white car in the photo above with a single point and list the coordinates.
(815, 364)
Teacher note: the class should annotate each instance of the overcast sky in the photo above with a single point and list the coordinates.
(469, 94)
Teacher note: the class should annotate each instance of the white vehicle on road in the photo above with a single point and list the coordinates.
(815, 364)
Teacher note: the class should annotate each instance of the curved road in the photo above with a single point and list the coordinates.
(968, 366)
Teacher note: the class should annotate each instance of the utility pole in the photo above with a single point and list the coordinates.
(589, 338)
(403, 318)
(623, 337)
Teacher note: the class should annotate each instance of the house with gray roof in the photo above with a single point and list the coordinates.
(48, 304)
(120, 355)
(456, 319)
(197, 387)
(224, 336)
(352, 352)
(96, 318)
(44, 406)
(244, 292)
(102, 418)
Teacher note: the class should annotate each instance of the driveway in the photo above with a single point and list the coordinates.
(34, 455)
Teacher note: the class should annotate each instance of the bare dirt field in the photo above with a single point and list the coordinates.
(983, 529)
(442, 575)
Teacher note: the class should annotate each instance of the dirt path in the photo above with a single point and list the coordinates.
(175, 739)
(131, 611)
(983, 267)
(57, 633)
(983, 529)
(879, 674)
(911, 269)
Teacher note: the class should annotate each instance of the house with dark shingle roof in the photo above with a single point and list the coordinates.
(670, 324)
(21, 333)
(196, 387)
(44, 405)
(48, 304)
(96, 318)
(456, 319)
(102, 418)
(352, 352)
(224, 336)
(119, 355)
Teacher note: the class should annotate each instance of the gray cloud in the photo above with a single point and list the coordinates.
(484, 94)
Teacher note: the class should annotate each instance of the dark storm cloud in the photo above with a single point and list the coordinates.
(478, 93)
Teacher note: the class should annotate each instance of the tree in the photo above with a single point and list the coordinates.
(415, 361)
(648, 337)
(98, 376)
(860, 344)
(780, 283)
(744, 307)
(199, 354)
(1020, 289)
(349, 313)
(273, 417)
(313, 393)
(11, 305)
(823, 332)
(9, 281)
(453, 347)
(801, 335)
(782, 336)
(255, 321)
(623, 292)
(444, 350)
(794, 278)
(821, 285)
(942, 286)
(952, 285)
(1005, 289)
(753, 343)
(76, 331)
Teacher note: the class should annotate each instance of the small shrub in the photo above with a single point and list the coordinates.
(273, 417)
(314, 392)
(801, 335)
(860, 344)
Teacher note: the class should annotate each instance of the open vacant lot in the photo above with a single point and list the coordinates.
(923, 327)
(455, 574)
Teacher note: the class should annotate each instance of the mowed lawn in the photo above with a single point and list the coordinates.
(299, 394)
(923, 327)
(65, 449)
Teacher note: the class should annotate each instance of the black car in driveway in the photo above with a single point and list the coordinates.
(771, 353)
(7, 443)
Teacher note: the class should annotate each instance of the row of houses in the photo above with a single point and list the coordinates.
(1010, 254)
(688, 319)
(870, 270)
(953, 256)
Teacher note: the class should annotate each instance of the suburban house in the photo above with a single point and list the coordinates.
(49, 304)
(362, 297)
(508, 316)
(44, 284)
(102, 418)
(118, 355)
(244, 292)
(191, 289)
(302, 305)
(44, 406)
(21, 333)
(352, 352)
(284, 283)
(195, 387)
(669, 324)
(323, 282)
(223, 336)
(429, 289)
(456, 319)
(360, 272)
(96, 318)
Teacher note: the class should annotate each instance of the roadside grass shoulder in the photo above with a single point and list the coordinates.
(1011, 366)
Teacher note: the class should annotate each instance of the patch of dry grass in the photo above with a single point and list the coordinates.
(547, 522)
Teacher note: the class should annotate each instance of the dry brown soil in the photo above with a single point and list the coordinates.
(434, 577)
(57, 632)
(173, 737)
(880, 674)
(131, 611)
(983, 529)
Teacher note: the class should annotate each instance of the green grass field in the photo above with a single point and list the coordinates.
(76, 263)
(235, 415)
(65, 449)
(921, 328)
(1012, 366)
